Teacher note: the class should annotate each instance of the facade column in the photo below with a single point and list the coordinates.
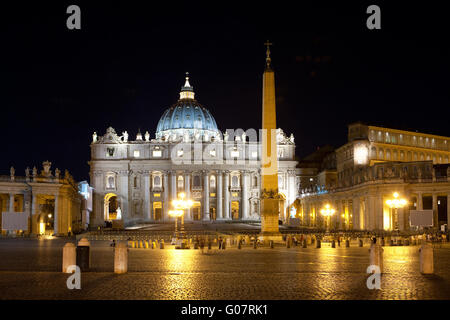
(206, 209)
(56, 217)
(11, 202)
(187, 191)
(219, 195)
(245, 201)
(173, 185)
(147, 215)
(166, 196)
(435, 211)
(226, 197)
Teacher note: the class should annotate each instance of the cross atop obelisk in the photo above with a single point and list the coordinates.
(268, 60)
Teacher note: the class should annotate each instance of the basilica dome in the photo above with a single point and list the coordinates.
(187, 118)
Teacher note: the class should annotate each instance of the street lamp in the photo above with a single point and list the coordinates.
(396, 203)
(327, 212)
(176, 214)
(180, 205)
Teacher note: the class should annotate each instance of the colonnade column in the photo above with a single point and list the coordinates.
(219, 195)
(147, 215)
(33, 212)
(245, 175)
(166, 196)
(435, 211)
(419, 201)
(379, 212)
(356, 214)
(56, 218)
(206, 196)
(187, 191)
(11, 202)
(226, 197)
(448, 210)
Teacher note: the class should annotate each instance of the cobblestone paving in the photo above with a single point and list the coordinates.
(30, 269)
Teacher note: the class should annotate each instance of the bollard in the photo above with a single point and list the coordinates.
(255, 244)
(376, 256)
(69, 256)
(209, 245)
(153, 245)
(391, 242)
(224, 244)
(305, 244)
(414, 242)
(333, 244)
(240, 244)
(271, 244)
(288, 242)
(120, 258)
(141, 245)
(347, 243)
(360, 242)
(426, 258)
(83, 254)
(318, 243)
(161, 245)
(146, 244)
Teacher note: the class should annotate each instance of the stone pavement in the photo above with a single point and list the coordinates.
(30, 269)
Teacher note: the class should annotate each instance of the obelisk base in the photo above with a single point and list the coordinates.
(269, 220)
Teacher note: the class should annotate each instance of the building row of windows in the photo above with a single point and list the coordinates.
(409, 140)
(157, 152)
(400, 155)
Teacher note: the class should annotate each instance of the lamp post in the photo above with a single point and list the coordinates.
(394, 204)
(180, 205)
(327, 212)
(176, 214)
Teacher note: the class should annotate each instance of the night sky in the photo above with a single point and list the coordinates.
(126, 66)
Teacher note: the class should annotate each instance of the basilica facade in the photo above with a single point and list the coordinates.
(135, 181)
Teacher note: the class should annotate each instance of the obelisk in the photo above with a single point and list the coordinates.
(270, 199)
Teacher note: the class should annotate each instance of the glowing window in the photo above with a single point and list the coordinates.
(137, 153)
(254, 154)
(234, 153)
(180, 153)
(235, 194)
(157, 195)
(157, 153)
(212, 153)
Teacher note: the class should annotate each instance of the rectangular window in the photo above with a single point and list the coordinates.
(180, 153)
(235, 154)
(157, 153)
(136, 153)
(157, 195)
(212, 153)
(254, 154)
